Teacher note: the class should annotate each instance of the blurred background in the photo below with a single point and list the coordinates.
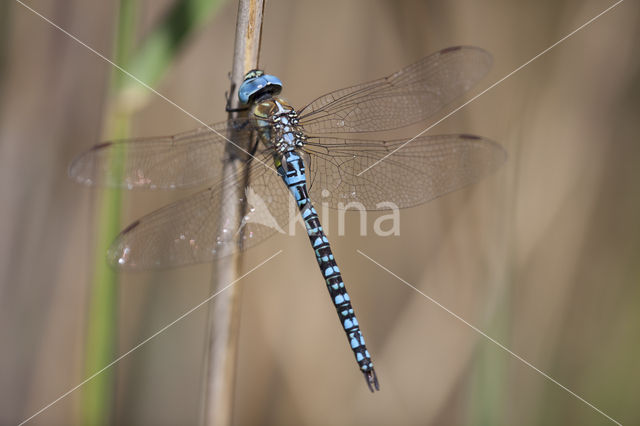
(543, 255)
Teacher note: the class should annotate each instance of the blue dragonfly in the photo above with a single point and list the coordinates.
(313, 151)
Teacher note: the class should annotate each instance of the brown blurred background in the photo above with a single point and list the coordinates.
(543, 256)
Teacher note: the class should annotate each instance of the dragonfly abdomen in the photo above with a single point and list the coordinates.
(292, 171)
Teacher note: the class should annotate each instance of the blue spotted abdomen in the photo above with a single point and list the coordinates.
(292, 170)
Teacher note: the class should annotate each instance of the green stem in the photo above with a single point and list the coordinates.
(98, 395)
(488, 397)
(161, 46)
(148, 63)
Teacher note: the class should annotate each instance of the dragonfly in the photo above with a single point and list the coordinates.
(323, 151)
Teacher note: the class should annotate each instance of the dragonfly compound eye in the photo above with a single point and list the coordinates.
(258, 85)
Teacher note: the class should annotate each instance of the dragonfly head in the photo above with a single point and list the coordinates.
(257, 84)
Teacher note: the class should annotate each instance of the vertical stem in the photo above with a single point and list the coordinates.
(489, 382)
(98, 395)
(148, 62)
(224, 315)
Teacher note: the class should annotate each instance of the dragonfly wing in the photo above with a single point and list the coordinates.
(192, 230)
(186, 159)
(412, 94)
(423, 169)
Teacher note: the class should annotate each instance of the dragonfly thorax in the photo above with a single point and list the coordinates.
(279, 125)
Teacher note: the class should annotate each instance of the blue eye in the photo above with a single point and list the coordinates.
(257, 83)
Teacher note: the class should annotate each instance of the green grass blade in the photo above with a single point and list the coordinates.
(148, 63)
(164, 42)
(98, 395)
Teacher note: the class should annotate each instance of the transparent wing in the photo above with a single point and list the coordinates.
(424, 169)
(192, 230)
(186, 159)
(410, 95)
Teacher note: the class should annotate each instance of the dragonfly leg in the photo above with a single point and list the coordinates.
(227, 107)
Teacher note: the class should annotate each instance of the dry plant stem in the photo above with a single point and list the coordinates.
(224, 315)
